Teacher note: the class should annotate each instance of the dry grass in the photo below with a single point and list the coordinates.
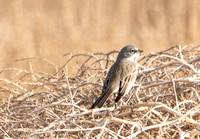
(164, 103)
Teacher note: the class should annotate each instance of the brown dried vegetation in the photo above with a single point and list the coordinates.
(164, 103)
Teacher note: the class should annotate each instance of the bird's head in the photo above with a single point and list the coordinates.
(130, 53)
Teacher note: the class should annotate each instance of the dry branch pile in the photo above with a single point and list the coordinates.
(164, 103)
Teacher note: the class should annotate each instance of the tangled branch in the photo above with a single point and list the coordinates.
(164, 102)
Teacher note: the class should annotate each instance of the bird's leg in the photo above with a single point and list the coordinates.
(115, 106)
(92, 112)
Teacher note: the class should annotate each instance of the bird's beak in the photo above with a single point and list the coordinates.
(140, 51)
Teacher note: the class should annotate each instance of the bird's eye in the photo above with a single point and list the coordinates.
(133, 51)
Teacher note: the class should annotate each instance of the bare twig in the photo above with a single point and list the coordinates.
(165, 103)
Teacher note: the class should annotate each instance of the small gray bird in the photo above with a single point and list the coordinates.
(121, 76)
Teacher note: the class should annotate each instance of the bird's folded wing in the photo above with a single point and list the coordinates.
(124, 85)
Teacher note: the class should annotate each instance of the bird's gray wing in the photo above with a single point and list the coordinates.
(108, 87)
(124, 85)
(104, 95)
(127, 79)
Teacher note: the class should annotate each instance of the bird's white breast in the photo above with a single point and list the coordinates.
(134, 58)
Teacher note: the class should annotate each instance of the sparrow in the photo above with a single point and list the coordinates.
(121, 76)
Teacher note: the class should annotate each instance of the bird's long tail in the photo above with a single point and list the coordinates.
(101, 100)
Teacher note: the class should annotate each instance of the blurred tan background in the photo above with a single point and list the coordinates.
(51, 28)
